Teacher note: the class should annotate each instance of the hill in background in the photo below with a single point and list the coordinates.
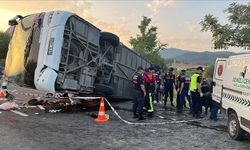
(190, 57)
(172, 52)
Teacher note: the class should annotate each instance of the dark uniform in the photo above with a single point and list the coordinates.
(158, 86)
(1, 72)
(184, 93)
(214, 109)
(149, 80)
(206, 95)
(137, 80)
(178, 85)
(169, 87)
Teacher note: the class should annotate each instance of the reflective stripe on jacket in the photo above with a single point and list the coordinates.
(194, 84)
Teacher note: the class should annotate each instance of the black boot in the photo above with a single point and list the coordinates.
(141, 117)
(150, 115)
(135, 115)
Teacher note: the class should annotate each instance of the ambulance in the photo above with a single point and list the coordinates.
(231, 91)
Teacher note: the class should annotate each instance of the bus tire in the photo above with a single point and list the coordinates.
(110, 37)
(234, 129)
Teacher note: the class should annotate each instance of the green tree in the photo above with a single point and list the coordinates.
(209, 72)
(4, 42)
(146, 43)
(235, 33)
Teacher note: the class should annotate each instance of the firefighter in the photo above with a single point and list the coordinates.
(150, 86)
(184, 91)
(196, 93)
(169, 83)
(140, 93)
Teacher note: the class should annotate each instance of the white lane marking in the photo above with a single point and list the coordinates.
(160, 116)
(19, 113)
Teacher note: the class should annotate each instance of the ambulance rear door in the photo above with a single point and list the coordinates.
(219, 73)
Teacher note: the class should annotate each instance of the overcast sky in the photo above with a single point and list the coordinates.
(177, 20)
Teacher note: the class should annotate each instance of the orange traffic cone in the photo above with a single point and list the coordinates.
(2, 93)
(101, 115)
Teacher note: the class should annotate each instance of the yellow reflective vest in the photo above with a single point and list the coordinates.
(194, 84)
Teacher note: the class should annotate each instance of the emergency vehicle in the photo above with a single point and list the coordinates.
(231, 91)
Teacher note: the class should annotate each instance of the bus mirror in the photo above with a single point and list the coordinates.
(13, 21)
(213, 83)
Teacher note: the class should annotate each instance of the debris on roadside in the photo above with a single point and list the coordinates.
(26, 106)
(93, 115)
(8, 106)
(10, 97)
(59, 103)
(41, 107)
(35, 101)
(54, 111)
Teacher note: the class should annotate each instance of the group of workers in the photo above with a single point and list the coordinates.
(150, 86)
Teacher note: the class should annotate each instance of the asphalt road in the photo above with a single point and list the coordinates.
(79, 131)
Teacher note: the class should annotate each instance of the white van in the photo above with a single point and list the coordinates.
(232, 92)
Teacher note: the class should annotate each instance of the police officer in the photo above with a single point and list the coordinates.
(158, 86)
(177, 88)
(196, 93)
(183, 91)
(169, 83)
(150, 86)
(140, 93)
(205, 88)
(214, 108)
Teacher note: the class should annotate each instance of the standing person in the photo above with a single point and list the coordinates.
(206, 94)
(169, 83)
(158, 87)
(4, 85)
(1, 73)
(140, 93)
(196, 93)
(184, 89)
(177, 88)
(214, 109)
(150, 87)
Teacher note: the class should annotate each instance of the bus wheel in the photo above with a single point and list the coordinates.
(234, 129)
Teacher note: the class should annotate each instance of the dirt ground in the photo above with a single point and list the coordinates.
(79, 131)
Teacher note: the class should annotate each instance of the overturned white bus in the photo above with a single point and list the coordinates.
(59, 51)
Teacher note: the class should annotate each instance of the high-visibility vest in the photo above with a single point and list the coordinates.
(194, 84)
